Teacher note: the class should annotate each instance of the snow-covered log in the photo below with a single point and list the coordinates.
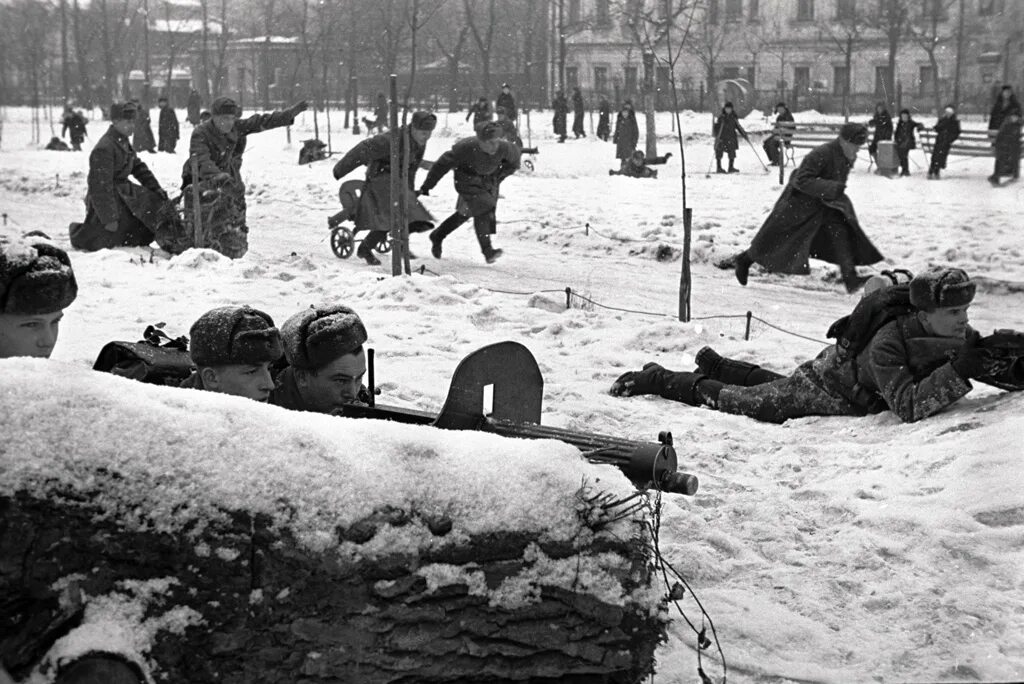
(208, 538)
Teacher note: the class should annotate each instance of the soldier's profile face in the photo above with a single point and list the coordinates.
(252, 381)
(33, 336)
(948, 321)
(335, 385)
(224, 122)
(124, 126)
(421, 136)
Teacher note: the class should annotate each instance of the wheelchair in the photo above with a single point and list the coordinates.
(343, 238)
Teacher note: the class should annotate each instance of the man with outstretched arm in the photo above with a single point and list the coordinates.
(480, 164)
(914, 363)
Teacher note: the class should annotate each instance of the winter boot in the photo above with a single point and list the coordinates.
(368, 256)
(730, 371)
(719, 168)
(742, 267)
(650, 380)
(694, 389)
(732, 165)
(851, 280)
(435, 245)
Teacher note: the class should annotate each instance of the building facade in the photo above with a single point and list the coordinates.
(828, 55)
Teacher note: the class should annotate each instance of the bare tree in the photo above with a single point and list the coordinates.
(484, 40)
(845, 31)
(891, 19)
(420, 14)
(453, 57)
(175, 41)
(928, 29)
(706, 42)
(392, 23)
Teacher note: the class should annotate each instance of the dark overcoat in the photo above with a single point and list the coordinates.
(1007, 136)
(74, 122)
(561, 107)
(477, 174)
(814, 196)
(143, 140)
(727, 130)
(904, 137)
(167, 129)
(193, 107)
(508, 102)
(627, 134)
(217, 152)
(112, 197)
(578, 110)
(903, 369)
(374, 211)
(604, 127)
(947, 130)
(882, 123)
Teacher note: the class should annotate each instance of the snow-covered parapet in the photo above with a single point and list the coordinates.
(324, 542)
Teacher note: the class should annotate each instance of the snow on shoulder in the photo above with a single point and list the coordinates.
(167, 459)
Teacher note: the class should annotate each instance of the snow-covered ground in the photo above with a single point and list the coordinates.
(835, 549)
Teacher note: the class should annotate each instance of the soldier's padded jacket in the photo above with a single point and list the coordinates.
(792, 232)
(217, 152)
(903, 369)
(477, 174)
(111, 163)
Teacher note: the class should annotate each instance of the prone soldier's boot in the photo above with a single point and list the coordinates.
(732, 372)
(695, 389)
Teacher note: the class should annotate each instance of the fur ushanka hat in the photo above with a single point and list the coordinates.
(35, 278)
(234, 335)
(941, 288)
(315, 337)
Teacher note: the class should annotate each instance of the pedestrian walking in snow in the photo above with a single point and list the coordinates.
(480, 164)
(905, 140)
(193, 107)
(36, 284)
(814, 217)
(604, 113)
(233, 349)
(480, 111)
(143, 140)
(167, 127)
(882, 124)
(326, 360)
(374, 211)
(1004, 127)
(627, 133)
(381, 113)
(561, 107)
(914, 363)
(781, 138)
(119, 213)
(506, 100)
(947, 130)
(74, 123)
(579, 109)
(216, 149)
(727, 130)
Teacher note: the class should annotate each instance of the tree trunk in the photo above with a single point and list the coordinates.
(959, 55)
(273, 611)
(84, 82)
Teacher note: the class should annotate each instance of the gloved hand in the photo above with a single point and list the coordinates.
(110, 227)
(298, 108)
(840, 189)
(970, 360)
(650, 380)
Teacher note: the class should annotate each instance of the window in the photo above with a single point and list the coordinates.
(924, 81)
(602, 15)
(846, 10)
(629, 79)
(987, 8)
(755, 12)
(661, 76)
(572, 76)
(574, 11)
(882, 82)
(734, 10)
(805, 10)
(840, 80)
(802, 78)
(730, 72)
(712, 12)
(601, 79)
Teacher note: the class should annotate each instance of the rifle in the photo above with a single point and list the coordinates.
(511, 371)
(1005, 365)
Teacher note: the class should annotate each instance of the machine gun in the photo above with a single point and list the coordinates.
(517, 389)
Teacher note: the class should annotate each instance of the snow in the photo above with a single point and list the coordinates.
(833, 549)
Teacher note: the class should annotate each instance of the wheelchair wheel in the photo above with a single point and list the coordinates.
(384, 246)
(528, 164)
(342, 243)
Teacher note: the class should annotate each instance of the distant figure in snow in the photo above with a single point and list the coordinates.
(73, 122)
(506, 100)
(774, 145)
(194, 107)
(638, 166)
(480, 164)
(326, 360)
(381, 112)
(561, 107)
(480, 111)
(579, 109)
(36, 284)
(604, 113)
(905, 140)
(882, 123)
(167, 127)
(312, 150)
(726, 129)
(914, 361)
(814, 217)
(233, 348)
(1004, 126)
(57, 145)
(510, 132)
(947, 130)
(143, 140)
(627, 133)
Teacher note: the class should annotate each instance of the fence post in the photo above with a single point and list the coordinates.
(568, 298)
(685, 280)
(746, 333)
